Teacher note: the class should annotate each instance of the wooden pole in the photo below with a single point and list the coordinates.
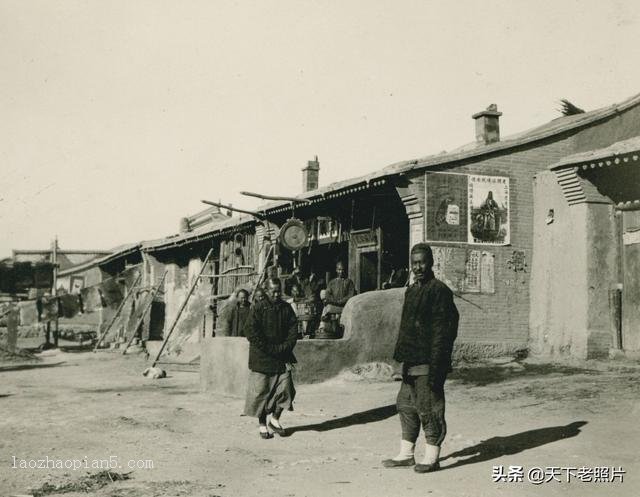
(54, 290)
(182, 307)
(120, 307)
(251, 213)
(144, 312)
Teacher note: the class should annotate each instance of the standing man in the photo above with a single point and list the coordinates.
(272, 330)
(428, 328)
(238, 315)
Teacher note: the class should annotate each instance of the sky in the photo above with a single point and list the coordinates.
(118, 117)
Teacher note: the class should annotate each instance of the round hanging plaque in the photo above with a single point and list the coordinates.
(293, 234)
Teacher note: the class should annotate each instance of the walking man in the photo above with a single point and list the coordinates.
(272, 330)
(428, 328)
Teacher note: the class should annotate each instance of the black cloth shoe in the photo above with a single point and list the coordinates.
(391, 463)
(427, 468)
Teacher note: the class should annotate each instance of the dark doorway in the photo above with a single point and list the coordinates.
(156, 320)
(368, 271)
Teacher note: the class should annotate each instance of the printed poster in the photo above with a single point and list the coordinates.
(449, 266)
(446, 207)
(489, 210)
(472, 276)
(487, 273)
(467, 208)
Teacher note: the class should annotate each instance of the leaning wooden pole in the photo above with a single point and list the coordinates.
(182, 307)
(118, 310)
(144, 313)
(263, 276)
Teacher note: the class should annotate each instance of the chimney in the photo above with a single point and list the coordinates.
(184, 225)
(310, 175)
(487, 126)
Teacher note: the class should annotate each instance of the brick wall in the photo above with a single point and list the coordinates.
(503, 317)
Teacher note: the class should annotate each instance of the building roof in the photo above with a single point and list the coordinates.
(206, 217)
(594, 157)
(65, 258)
(577, 175)
(472, 150)
(111, 255)
(198, 234)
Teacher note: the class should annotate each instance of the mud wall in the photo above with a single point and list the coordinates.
(371, 323)
(574, 266)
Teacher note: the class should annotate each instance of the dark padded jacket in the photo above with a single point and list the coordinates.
(272, 330)
(428, 328)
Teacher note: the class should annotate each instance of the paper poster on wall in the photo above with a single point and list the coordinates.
(464, 270)
(487, 273)
(449, 266)
(416, 234)
(489, 210)
(472, 276)
(446, 207)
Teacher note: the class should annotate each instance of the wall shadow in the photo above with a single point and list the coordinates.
(496, 447)
(19, 367)
(358, 418)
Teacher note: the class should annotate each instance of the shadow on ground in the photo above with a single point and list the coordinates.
(496, 447)
(486, 375)
(18, 367)
(358, 418)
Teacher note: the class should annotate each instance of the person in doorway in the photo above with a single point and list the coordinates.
(272, 331)
(428, 328)
(238, 315)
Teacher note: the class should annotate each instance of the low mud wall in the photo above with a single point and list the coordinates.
(371, 323)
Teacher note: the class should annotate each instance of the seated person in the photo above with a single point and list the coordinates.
(296, 295)
(237, 315)
(339, 291)
(312, 286)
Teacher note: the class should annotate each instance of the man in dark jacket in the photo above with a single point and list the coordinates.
(340, 289)
(272, 330)
(428, 328)
(238, 314)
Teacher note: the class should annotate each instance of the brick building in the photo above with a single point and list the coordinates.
(445, 200)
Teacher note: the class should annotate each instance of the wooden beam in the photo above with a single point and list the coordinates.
(231, 208)
(269, 197)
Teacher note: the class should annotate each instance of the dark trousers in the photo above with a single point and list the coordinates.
(419, 405)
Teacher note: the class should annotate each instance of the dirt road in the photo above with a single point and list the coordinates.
(86, 407)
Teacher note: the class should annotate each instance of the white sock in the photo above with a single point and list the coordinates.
(275, 422)
(263, 429)
(431, 454)
(406, 450)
